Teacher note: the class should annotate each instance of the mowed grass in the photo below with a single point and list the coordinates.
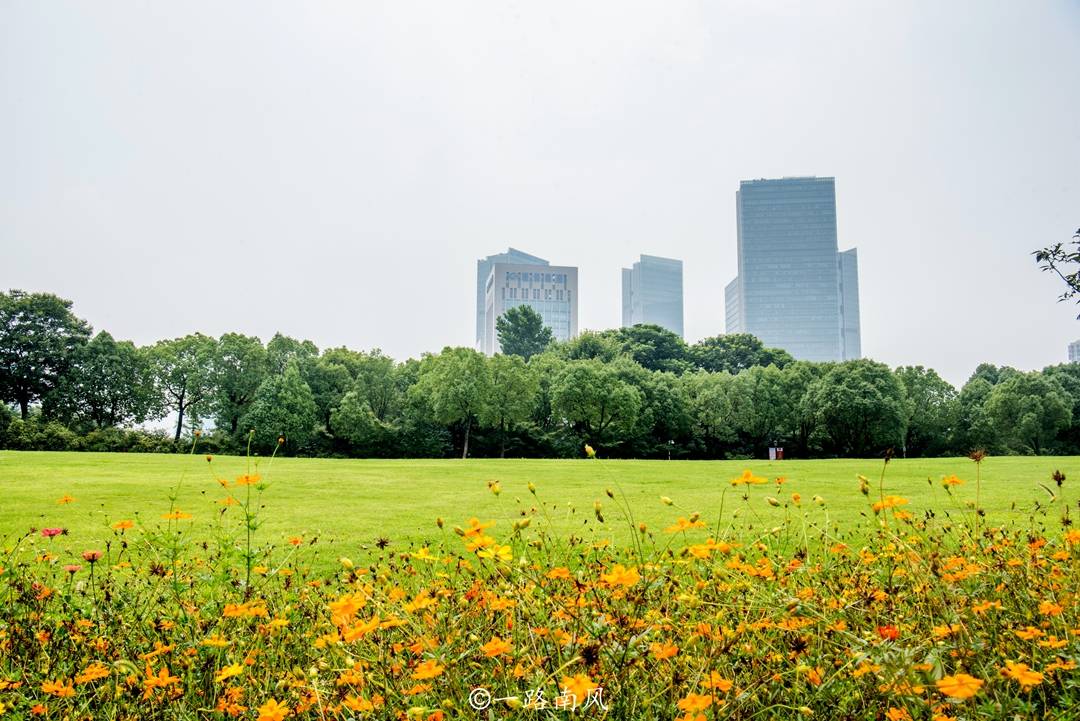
(350, 504)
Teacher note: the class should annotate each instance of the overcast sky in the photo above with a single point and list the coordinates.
(334, 170)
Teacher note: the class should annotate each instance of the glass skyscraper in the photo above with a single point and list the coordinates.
(652, 292)
(794, 290)
(550, 290)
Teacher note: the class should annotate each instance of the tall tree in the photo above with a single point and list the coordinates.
(282, 349)
(861, 407)
(761, 406)
(107, 383)
(711, 409)
(456, 386)
(513, 393)
(736, 352)
(974, 429)
(38, 337)
(283, 408)
(240, 365)
(929, 410)
(522, 332)
(183, 376)
(1028, 410)
(592, 398)
(654, 347)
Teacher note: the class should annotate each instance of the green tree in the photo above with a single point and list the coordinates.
(183, 376)
(593, 399)
(1067, 375)
(861, 408)
(796, 379)
(282, 349)
(974, 429)
(522, 332)
(240, 364)
(711, 409)
(736, 352)
(1028, 410)
(353, 421)
(283, 407)
(513, 394)
(455, 386)
(38, 338)
(107, 384)
(761, 407)
(929, 410)
(591, 344)
(654, 348)
(328, 380)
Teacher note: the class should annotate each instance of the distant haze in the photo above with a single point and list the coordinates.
(334, 170)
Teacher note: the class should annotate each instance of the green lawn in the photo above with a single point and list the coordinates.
(351, 503)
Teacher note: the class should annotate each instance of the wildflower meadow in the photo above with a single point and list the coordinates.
(763, 604)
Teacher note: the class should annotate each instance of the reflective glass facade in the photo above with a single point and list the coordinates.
(790, 291)
(652, 292)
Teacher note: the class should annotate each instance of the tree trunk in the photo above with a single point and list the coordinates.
(502, 443)
(179, 418)
(24, 407)
(465, 450)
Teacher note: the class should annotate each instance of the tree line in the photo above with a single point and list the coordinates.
(639, 392)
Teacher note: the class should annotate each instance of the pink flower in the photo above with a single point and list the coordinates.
(50, 532)
(72, 568)
(91, 556)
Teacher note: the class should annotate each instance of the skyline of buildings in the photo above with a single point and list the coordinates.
(1074, 351)
(652, 292)
(793, 289)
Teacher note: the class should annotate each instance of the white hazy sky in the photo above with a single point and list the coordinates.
(333, 169)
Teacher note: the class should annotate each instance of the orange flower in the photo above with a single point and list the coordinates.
(176, 516)
(496, 647)
(661, 651)
(1022, 674)
(748, 479)
(578, 686)
(717, 682)
(426, 670)
(58, 688)
(621, 576)
(959, 686)
(64, 499)
(273, 711)
(694, 703)
(92, 673)
(123, 525)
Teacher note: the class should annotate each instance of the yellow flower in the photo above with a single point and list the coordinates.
(951, 481)
(959, 686)
(273, 711)
(176, 516)
(748, 479)
(683, 524)
(496, 647)
(228, 672)
(498, 553)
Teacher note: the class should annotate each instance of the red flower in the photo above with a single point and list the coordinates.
(888, 633)
(50, 532)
